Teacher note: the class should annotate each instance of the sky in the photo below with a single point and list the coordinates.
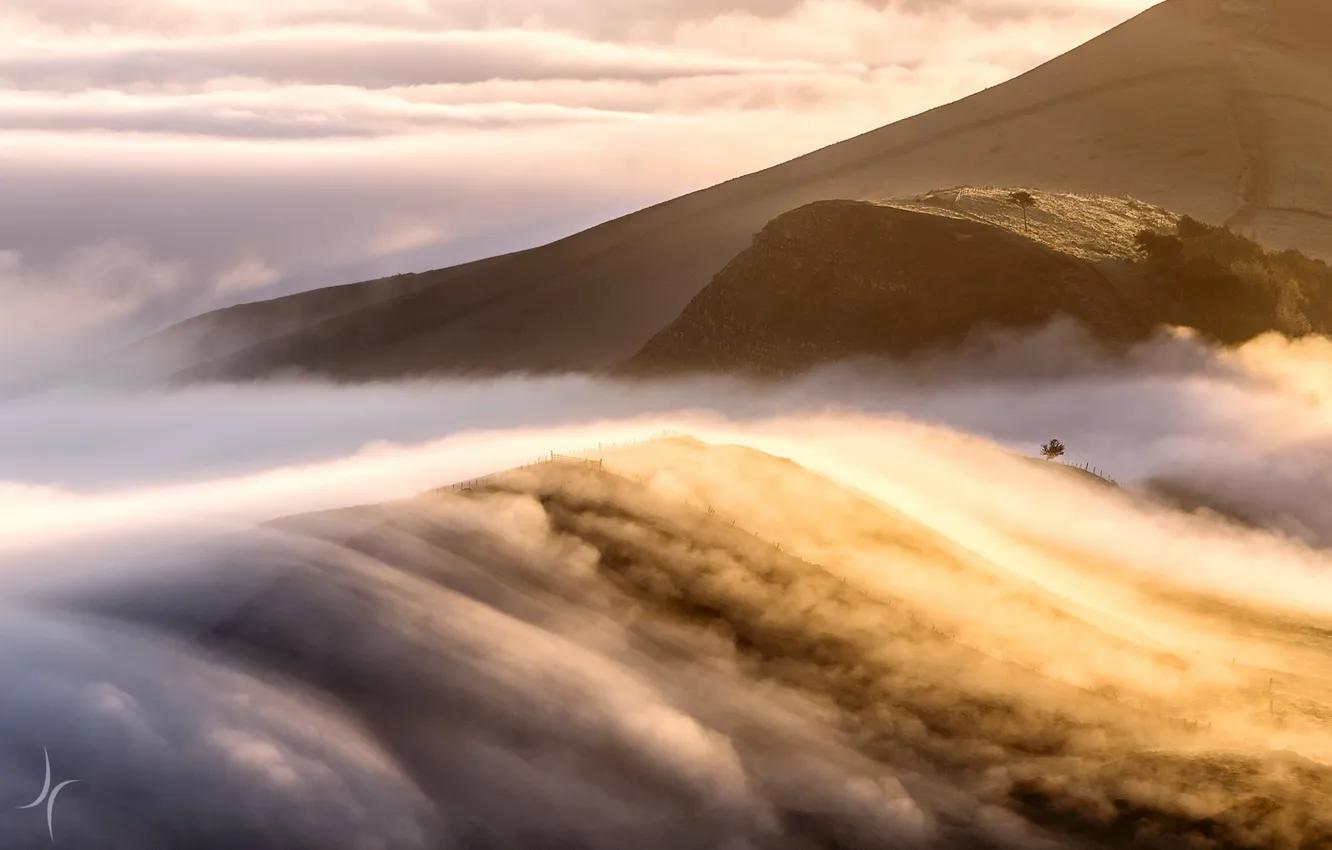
(164, 157)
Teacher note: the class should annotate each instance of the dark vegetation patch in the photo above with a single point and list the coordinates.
(1231, 288)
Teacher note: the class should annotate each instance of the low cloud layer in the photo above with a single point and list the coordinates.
(1174, 400)
(919, 639)
(1241, 433)
(258, 148)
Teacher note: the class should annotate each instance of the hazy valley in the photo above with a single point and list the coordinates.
(963, 485)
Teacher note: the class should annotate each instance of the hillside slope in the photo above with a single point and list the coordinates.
(839, 279)
(1219, 109)
(647, 654)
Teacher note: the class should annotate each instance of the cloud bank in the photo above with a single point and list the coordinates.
(919, 639)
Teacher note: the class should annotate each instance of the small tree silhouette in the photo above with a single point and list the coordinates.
(1025, 200)
(1052, 450)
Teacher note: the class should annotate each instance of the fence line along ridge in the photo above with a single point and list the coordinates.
(575, 456)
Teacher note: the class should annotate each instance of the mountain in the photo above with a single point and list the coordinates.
(1218, 109)
(839, 279)
(835, 280)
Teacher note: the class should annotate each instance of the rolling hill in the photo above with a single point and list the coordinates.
(835, 280)
(1218, 109)
(688, 617)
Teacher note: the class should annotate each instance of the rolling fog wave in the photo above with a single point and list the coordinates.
(823, 629)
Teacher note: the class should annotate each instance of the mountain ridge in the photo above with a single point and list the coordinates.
(1166, 133)
(841, 279)
(838, 280)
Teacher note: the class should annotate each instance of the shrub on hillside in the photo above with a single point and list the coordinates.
(1162, 248)
(1232, 288)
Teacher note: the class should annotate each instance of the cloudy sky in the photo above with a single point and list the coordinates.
(162, 157)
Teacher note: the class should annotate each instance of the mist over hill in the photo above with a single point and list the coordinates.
(824, 509)
(851, 628)
(693, 645)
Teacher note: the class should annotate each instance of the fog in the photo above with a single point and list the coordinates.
(915, 635)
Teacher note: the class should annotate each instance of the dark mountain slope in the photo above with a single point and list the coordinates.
(840, 279)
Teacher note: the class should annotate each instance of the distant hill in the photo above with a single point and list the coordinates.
(840, 279)
(1219, 109)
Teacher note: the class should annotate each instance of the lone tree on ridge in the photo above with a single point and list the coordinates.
(1052, 450)
(1025, 200)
